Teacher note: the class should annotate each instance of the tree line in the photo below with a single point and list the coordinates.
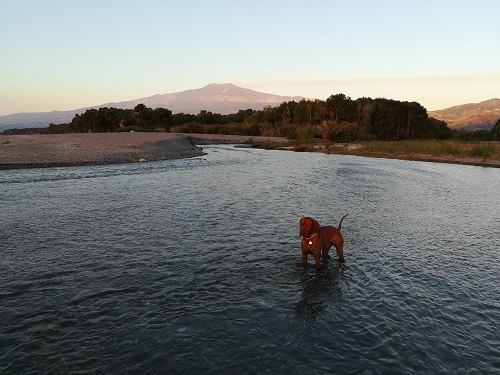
(337, 119)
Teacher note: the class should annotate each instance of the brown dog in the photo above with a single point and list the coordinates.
(317, 239)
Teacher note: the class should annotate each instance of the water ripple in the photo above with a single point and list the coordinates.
(193, 266)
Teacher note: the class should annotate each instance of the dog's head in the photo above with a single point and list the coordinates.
(308, 226)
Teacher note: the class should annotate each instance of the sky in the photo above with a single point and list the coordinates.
(70, 54)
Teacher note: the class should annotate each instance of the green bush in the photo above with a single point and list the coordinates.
(449, 149)
(483, 152)
(343, 132)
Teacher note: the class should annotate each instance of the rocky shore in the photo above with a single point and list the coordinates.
(35, 151)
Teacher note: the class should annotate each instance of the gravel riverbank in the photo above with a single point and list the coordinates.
(35, 151)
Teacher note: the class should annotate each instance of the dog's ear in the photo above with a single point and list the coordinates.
(301, 224)
(315, 226)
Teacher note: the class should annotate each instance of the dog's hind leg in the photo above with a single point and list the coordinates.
(340, 251)
(325, 250)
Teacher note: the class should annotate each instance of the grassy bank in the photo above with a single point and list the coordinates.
(485, 154)
(454, 149)
(457, 149)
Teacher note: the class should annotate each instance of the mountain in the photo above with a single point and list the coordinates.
(470, 117)
(218, 98)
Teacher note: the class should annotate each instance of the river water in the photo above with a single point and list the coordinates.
(193, 266)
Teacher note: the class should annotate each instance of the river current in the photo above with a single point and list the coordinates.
(193, 266)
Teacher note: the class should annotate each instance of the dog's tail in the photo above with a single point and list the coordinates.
(343, 217)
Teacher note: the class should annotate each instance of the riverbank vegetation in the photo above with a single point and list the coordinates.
(454, 149)
(338, 119)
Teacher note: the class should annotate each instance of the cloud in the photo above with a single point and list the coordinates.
(402, 80)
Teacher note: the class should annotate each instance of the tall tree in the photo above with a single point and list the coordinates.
(341, 108)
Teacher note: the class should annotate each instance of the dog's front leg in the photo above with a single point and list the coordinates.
(317, 260)
(304, 259)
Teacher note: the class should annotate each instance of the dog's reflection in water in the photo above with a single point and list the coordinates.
(316, 286)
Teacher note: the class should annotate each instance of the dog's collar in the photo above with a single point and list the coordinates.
(312, 236)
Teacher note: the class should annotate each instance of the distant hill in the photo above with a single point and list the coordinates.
(218, 98)
(470, 117)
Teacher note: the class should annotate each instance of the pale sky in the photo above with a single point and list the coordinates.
(69, 54)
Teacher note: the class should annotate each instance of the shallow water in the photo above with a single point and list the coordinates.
(193, 266)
